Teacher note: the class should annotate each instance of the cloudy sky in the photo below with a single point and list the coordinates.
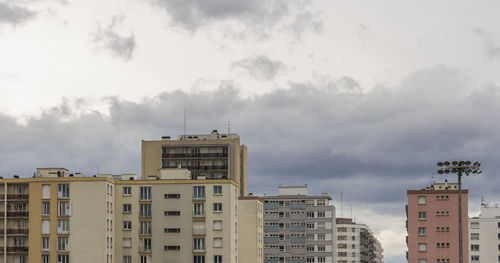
(357, 97)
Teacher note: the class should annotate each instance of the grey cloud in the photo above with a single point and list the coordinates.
(260, 67)
(258, 16)
(492, 47)
(122, 46)
(14, 15)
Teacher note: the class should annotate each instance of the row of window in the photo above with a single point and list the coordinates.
(62, 191)
(438, 260)
(145, 192)
(475, 225)
(422, 215)
(344, 254)
(310, 214)
(308, 259)
(286, 203)
(62, 226)
(62, 244)
(60, 258)
(145, 227)
(422, 247)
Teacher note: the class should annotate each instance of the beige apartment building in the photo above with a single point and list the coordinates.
(251, 229)
(212, 156)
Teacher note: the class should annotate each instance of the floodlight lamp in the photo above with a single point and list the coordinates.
(454, 170)
(467, 162)
(460, 163)
(446, 163)
(474, 171)
(454, 162)
(447, 171)
(440, 164)
(440, 171)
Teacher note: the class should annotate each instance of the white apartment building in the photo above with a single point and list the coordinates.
(484, 237)
(356, 243)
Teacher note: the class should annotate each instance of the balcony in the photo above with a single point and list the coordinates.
(271, 206)
(200, 167)
(15, 249)
(15, 214)
(15, 231)
(298, 240)
(298, 260)
(298, 206)
(271, 261)
(271, 240)
(15, 196)
(271, 228)
(193, 155)
(298, 228)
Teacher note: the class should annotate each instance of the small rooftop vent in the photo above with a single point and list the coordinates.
(16, 176)
(165, 137)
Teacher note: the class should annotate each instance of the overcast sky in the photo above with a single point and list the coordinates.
(345, 96)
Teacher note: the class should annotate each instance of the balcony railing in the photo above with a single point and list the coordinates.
(193, 155)
(15, 249)
(15, 196)
(200, 167)
(18, 231)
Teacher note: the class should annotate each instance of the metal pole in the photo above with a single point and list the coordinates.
(460, 242)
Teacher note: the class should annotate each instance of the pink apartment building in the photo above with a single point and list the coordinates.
(432, 224)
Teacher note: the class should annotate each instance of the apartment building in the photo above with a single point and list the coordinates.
(356, 243)
(211, 156)
(60, 217)
(298, 228)
(484, 238)
(251, 229)
(432, 224)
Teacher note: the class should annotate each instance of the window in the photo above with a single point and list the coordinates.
(321, 260)
(422, 261)
(422, 200)
(422, 247)
(45, 227)
(172, 213)
(474, 258)
(145, 210)
(421, 215)
(474, 247)
(199, 244)
(321, 214)
(127, 208)
(172, 230)
(422, 231)
(474, 236)
(127, 190)
(217, 242)
(63, 191)
(46, 191)
(145, 245)
(321, 248)
(217, 207)
(217, 259)
(353, 238)
(172, 247)
(172, 196)
(127, 242)
(62, 226)
(145, 259)
(342, 237)
(310, 248)
(45, 259)
(145, 228)
(321, 236)
(127, 225)
(198, 210)
(217, 189)
(199, 192)
(127, 259)
(342, 229)
(63, 209)
(217, 225)
(310, 213)
(62, 258)
(45, 244)
(474, 225)
(62, 244)
(45, 208)
(199, 259)
(146, 193)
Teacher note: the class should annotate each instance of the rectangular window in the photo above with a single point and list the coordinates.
(198, 210)
(63, 226)
(422, 261)
(199, 192)
(172, 213)
(45, 227)
(474, 236)
(199, 244)
(217, 242)
(321, 248)
(172, 230)
(145, 259)
(63, 191)
(422, 215)
(45, 259)
(62, 258)
(474, 247)
(145, 193)
(422, 200)
(145, 245)
(217, 259)
(422, 231)
(127, 190)
(217, 189)
(45, 244)
(217, 207)
(145, 228)
(62, 244)
(172, 196)
(198, 259)
(145, 210)
(321, 236)
(127, 259)
(217, 225)
(64, 209)
(45, 208)
(422, 247)
(127, 208)
(46, 191)
(172, 247)
(127, 225)
(127, 242)
(474, 258)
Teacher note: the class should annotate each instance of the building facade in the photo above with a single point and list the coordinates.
(58, 217)
(432, 224)
(298, 228)
(484, 238)
(212, 156)
(356, 243)
(251, 229)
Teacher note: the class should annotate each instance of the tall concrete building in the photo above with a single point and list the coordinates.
(356, 243)
(251, 229)
(58, 217)
(484, 235)
(432, 224)
(211, 156)
(298, 228)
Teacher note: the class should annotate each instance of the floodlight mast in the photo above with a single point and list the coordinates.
(459, 167)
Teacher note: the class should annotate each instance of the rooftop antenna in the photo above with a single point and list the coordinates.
(483, 202)
(341, 197)
(184, 123)
(98, 170)
(351, 211)
(228, 127)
